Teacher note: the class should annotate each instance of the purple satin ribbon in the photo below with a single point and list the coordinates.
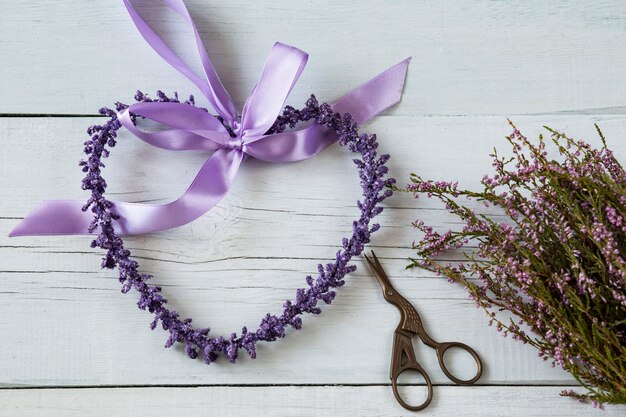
(193, 129)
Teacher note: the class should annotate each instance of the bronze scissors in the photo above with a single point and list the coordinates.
(403, 356)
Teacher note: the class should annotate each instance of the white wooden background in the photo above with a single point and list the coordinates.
(72, 345)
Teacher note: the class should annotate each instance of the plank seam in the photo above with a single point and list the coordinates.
(131, 386)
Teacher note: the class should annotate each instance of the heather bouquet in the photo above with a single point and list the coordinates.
(547, 260)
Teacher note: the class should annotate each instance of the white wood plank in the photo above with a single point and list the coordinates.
(478, 57)
(70, 326)
(376, 401)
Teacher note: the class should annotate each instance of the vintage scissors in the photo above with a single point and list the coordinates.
(403, 357)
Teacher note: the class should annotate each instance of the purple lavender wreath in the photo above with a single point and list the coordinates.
(372, 171)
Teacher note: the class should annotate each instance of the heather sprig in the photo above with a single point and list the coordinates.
(557, 264)
(374, 183)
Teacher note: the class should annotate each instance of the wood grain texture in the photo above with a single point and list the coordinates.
(279, 401)
(73, 345)
(242, 260)
(480, 57)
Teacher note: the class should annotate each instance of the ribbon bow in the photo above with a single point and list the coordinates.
(193, 129)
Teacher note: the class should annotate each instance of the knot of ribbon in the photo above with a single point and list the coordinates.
(190, 128)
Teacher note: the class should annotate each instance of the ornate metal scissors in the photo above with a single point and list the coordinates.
(403, 357)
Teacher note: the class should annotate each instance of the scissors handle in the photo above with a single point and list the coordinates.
(441, 350)
(403, 360)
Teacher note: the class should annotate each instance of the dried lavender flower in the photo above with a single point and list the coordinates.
(372, 172)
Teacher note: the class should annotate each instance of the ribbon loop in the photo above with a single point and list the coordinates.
(291, 146)
(194, 129)
(190, 128)
(282, 69)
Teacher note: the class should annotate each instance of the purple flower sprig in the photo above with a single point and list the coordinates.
(372, 172)
(558, 263)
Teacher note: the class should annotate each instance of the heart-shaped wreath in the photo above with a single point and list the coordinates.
(259, 131)
(372, 171)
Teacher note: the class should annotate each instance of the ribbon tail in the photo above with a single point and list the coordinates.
(211, 86)
(363, 103)
(376, 95)
(65, 217)
(56, 217)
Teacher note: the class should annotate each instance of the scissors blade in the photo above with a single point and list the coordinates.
(379, 273)
(410, 320)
